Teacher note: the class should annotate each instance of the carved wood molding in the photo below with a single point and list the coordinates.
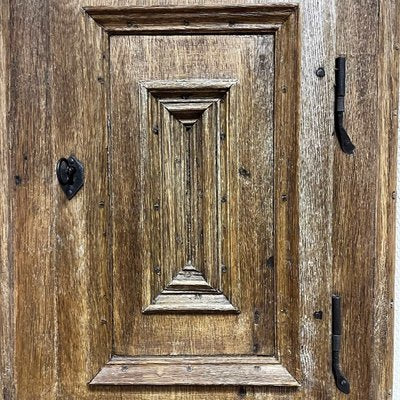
(280, 19)
(190, 292)
(255, 371)
(181, 127)
(192, 19)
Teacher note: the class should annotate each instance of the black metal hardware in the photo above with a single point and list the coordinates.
(341, 382)
(340, 91)
(320, 72)
(70, 175)
(318, 314)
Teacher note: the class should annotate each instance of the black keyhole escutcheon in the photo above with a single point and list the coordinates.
(70, 175)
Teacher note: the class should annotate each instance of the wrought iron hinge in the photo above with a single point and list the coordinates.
(340, 91)
(341, 381)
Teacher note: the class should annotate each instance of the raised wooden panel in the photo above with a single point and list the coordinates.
(232, 221)
(183, 134)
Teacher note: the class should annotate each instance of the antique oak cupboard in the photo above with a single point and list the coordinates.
(218, 215)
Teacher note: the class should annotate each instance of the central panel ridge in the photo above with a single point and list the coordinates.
(189, 291)
(186, 126)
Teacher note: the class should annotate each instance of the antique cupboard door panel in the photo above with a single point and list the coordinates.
(192, 194)
(192, 262)
(202, 113)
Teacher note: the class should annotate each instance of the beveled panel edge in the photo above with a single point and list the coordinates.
(191, 19)
(186, 300)
(220, 86)
(192, 370)
(189, 304)
(190, 292)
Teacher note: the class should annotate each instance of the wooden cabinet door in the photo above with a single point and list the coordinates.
(197, 258)
(203, 195)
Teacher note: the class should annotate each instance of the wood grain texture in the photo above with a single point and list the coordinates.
(355, 193)
(228, 371)
(248, 195)
(6, 275)
(190, 292)
(59, 66)
(363, 194)
(286, 197)
(182, 178)
(387, 129)
(79, 126)
(315, 208)
(32, 202)
(316, 145)
(194, 19)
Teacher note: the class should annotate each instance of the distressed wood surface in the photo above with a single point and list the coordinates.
(33, 203)
(6, 276)
(387, 128)
(57, 281)
(183, 178)
(256, 371)
(363, 241)
(192, 19)
(248, 180)
(79, 127)
(355, 190)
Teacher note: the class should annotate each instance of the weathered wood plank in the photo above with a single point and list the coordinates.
(286, 193)
(33, 189)
(79, 126)
(387, 132)
(355, 190)
(7, 383)
(315, 209)
(194, 371)
(363, 205)
(312, 268)
(259, 360)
